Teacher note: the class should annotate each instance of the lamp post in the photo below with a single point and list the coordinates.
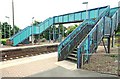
(9, 24)
(13, 17)
(32, 31)
(86, 9)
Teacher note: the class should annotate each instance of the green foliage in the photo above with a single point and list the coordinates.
(71, 28)
(3, 41)
(5, 27)
(59, 28)
(118, 30)
(36, 23)
(113, 56)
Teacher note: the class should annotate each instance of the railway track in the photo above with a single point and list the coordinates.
(20, 53)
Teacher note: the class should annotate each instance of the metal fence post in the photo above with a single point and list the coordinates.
(78, 58)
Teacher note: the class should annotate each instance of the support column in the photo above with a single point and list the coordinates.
(39, 38)
(59, 34)
(113, 40)
(108, 45)
(53, 34)
(104, 46)
(63, 32)
(32, 37)
(79, 59)
(39, 35)
(49, 34)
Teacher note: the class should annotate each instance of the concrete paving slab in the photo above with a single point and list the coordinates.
(63, 72)
(67, 65)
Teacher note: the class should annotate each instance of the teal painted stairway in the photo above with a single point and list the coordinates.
(86, 38)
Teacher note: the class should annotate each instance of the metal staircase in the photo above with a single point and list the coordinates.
(86, 40)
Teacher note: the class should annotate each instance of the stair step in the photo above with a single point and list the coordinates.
(75, 49)
(72, 58)
(73, 54)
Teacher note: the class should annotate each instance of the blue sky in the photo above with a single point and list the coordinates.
(42, 9)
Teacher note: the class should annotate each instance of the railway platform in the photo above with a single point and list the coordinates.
(44, 65)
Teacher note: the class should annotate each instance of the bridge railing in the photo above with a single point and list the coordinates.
(92, 40)
(78, 16)
(90, 43)
(75, 39)
(24, 34)
(18, 33)
(67, 45)
(21, 36)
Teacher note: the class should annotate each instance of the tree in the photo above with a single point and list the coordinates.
(71, 28)
(118, 30)
(62, 29)
(5, 28)
(35, 23)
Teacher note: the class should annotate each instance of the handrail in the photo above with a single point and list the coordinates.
(27, 27)
(18, 33)
(89, 33)
(47, 20)
(21, 32)
(73, 38)
(93, 28)
(101, 15)
(70, 46)
(88, 37)
(71, 34)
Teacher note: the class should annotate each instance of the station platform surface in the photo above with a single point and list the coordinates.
(23, 47)
(44, 65)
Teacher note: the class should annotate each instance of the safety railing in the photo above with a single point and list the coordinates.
(58, 19)
(92, 40)
(79, 16)
(18, 33)
(75, 39)
(71, 35)
(114, 21)
(21, 36)
(107, 28)
(89, 44)
(24, 34)
(67, 39)
(67, 45)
